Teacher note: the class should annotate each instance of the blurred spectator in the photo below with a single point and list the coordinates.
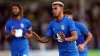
(4, 16)
(93, 16)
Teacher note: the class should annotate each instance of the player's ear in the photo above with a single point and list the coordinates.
(62, 8)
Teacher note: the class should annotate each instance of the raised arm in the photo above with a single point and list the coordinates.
(41, 39)
(47, 37)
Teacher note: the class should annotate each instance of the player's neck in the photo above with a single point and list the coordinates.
(17, 18)
(60, 17)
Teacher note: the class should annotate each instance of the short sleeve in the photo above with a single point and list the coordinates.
(83, 29)
(29, 25)
(7, 28)
(71, 25)
(49, 31)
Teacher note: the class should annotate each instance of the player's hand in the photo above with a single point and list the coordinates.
(35, 36)
(60, 39)
(81, 47)
(27, 35)
(62, 36)
(12, 32)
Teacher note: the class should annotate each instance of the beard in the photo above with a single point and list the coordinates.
(15, 15)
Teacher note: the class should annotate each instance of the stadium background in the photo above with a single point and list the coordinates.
(40, 14)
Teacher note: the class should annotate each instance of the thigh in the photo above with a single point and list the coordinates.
(24, 51)
(14, 53)
(82, 54)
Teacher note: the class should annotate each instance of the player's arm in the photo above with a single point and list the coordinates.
(7, 36)
(41, 39)
(72, 38)
(72, 30)
(44, 39)
(8, 32)
(28, 34)
(47, 37)
(29, 30)
(88, 38)
(12, 33)
(87, 34)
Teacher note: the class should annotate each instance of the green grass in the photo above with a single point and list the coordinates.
(94, 53)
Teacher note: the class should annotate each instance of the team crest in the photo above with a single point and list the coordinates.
(62, 27)
(22, 25)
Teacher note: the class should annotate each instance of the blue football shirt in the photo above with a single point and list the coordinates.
(66, 26)
(82, 32)
(21, 27)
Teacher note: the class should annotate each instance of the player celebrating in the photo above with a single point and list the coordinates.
(16, 29)
(83, 33)
(64, 29)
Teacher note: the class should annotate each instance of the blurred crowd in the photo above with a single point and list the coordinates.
(41, 15)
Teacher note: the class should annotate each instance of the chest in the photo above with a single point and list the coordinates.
(18, 25)
(60, 27)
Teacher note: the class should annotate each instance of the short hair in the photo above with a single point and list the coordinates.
(20, 8)
(68, 12)
(58, 3)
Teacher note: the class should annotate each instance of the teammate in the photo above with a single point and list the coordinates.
(83, 33)
(64, 29)
(16, 29)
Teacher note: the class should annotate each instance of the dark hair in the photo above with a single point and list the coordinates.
(68, 12)
(20, 8)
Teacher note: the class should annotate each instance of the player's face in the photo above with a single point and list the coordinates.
(56, 10)
(15, 11)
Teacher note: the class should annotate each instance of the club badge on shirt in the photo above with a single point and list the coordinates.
(22, 25)
(62, 27)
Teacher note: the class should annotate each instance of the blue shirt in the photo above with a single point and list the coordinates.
(66, 26)
(82, 32)
(24, 25)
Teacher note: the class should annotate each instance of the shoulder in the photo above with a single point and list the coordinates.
(79, 24)
(25, 19)
(9, 21)
(53, 21)
(68, 19)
